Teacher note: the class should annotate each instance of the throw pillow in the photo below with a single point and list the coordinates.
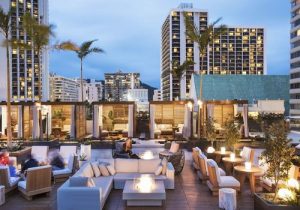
(164, 164)
(96, 169)
(78, 181)
(90, 183)
(111, 170)
(103, 170)
(158, 170)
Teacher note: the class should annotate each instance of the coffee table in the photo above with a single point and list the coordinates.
(219, 155)
(229, 163)
(136, 198)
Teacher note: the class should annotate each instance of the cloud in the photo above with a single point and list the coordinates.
(129, 31)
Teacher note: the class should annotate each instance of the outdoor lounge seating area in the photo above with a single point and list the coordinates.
(60, 120)
(113, 120)
(170, 119)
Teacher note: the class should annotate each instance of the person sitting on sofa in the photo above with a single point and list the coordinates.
(57, 162)
(29, 163)
(127, 148)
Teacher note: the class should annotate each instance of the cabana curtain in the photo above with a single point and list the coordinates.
(20, 122)
(4, 118)
(73, 122)
(96, 121)
(245, 119)
(130, 120)
(152, 122)
(49, 111)
(210, 111)
(186, 132)
(35, 122)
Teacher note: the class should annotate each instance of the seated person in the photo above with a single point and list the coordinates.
(57, 162)
(29, 163)
(4, 158)
(12, 168)
(127, 148)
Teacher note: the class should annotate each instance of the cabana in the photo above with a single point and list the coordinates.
(59, 120)
(114, 120)
(224, 96)
(170, 118)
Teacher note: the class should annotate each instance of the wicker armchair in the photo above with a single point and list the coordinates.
(8, 182)
(63, 174)
(38, 181)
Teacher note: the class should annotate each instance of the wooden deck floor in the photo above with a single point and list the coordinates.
(189, 194)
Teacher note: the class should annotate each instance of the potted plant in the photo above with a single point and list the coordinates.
(86, 149)
(82, 159)
(231, 134)
(278, 156)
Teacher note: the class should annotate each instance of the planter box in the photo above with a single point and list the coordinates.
(261, 204)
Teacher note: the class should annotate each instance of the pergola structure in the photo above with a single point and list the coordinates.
(59, 120)
(168, 117)
(114, 119)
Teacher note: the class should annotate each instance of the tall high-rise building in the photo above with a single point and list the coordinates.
(117, 84)
(24, 72)
(237, 51)
(63, 89)
(295, 59)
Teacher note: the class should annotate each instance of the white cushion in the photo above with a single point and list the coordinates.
(120, 127)
(256, 156)
(164, 164)
(202, 156)
(103, 170)
(158, 170)
(96, 169)
(22, 184)
(66, 151)
(111, 170)
(222, 172)
(105, 183)
(174, 147)
(246, 152)
(108, 161)
(62, 171)
(298, 146)
(229, 181)
(126, 165)
(126, 176)
(87, 170)
(13, 181)
(215, 165)
(78, 181)
(40, 153)
(70, 163)
(148, 166)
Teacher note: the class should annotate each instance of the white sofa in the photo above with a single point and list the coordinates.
(77, 198)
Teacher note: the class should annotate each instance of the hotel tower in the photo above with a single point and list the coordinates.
(24, 71)
(238, 51)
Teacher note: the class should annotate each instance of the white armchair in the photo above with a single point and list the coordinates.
(216, 181)
(67, 151)
(6, 180)
(40, 153)
(63, 174)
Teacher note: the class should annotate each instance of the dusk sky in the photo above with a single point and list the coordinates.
(129, 32)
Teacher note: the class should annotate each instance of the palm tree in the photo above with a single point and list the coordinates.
(5, 26)
(39, 34)
(203, 38)
(82, 51)
(178, 70)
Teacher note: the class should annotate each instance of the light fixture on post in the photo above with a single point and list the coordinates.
(200, 105)
(293, 183)
(190, 107)
(286, 194)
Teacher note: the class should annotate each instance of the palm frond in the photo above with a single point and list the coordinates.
(67, 45)
(5, 21)
(16, 44)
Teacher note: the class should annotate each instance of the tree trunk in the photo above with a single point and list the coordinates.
(81, 80)
(40, 95)
(8, 98)
(200, 96)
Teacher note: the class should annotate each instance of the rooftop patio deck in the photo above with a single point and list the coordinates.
(189, 193)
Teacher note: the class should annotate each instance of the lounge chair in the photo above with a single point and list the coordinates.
(203, 171)
(216, 181)
(8, 182)
(66, 151)
(40, 153)
(38, 181)
(195, 154)
(63, 174)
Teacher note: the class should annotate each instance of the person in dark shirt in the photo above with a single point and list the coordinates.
(29, 163)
